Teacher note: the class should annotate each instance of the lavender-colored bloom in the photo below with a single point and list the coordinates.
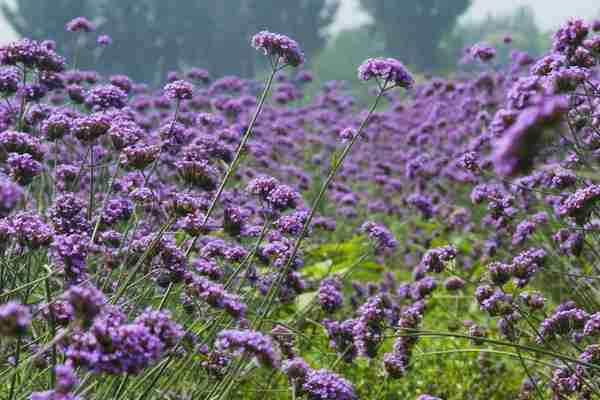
(136, 156)
(56, 126)
(69, 252)
(526, 264)
(499, 273)
(388, 70)
(281, 46)
(14, 319)
(198, 173)
(515, 151)
(428, 397)
(292, 224)
(578, 205)
(10, 196)
(80, 24)
(199, 74)
(570, 36)
(20, 143)
(124, 132)
(31, 230)
(435, 260)
(454, 283)
(330, 295)
(179, 90)
(117, 209)
(105, 97)
(396, 364)
(295, 368)
(87, 302)
(592, 326)
(162, 326)
(66, 380)
(383, 238)
(482, 52)
(91, 127)
(368, 327)
(423, 287)
(251, 342)
(325, 385)
(566, 319)
(104, 40)
(9, 80)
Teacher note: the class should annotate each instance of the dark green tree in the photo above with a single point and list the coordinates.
(151, 37)
(304, 20)
(414, 30)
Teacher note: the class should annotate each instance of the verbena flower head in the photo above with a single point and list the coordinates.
(179, 90)
(15, 319)
(104, 40)
(80, 24)
(251, 342)
(281, 46)
(386, 70)
(482, 52)
(325, 385)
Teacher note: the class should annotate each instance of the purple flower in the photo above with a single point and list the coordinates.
(515, 151)
(482, 52)
(179, 90)
(105, 97)
(31, 230)
(9, 80)
(91, 127)
(435, 260)
(66, 380)
(330, 294)
(104, 40)
(281, 46)
(383, 238)
(389, 70)
(87, 302)
(80, 24)
(325, 385)
(250, 342)
(10, 196)
(578, 205)
(14, 319)
(56, 126)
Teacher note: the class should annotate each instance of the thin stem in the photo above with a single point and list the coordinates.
(13, 381)
(274, 289)
(233, 166)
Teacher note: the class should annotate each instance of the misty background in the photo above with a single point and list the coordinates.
(153, 37)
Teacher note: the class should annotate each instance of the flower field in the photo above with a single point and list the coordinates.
(224, 238)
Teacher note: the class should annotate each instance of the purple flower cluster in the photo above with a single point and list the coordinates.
(250, 343)
(280, 46)
(387, 70)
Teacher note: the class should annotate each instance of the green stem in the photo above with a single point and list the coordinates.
(238, 155)
(276, 285)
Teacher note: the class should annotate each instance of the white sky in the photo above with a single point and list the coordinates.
(549, 13)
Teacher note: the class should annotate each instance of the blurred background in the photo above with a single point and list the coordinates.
(152, 37)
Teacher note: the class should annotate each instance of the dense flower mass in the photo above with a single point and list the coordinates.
(219, 237)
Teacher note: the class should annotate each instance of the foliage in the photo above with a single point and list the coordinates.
(413, 30)
(208, 34)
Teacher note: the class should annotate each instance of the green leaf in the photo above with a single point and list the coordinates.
(319, 269)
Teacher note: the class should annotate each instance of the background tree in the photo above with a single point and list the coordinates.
(151, 37)
(519, 25)
(414, 30)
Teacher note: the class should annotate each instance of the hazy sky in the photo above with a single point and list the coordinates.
(549, 13)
